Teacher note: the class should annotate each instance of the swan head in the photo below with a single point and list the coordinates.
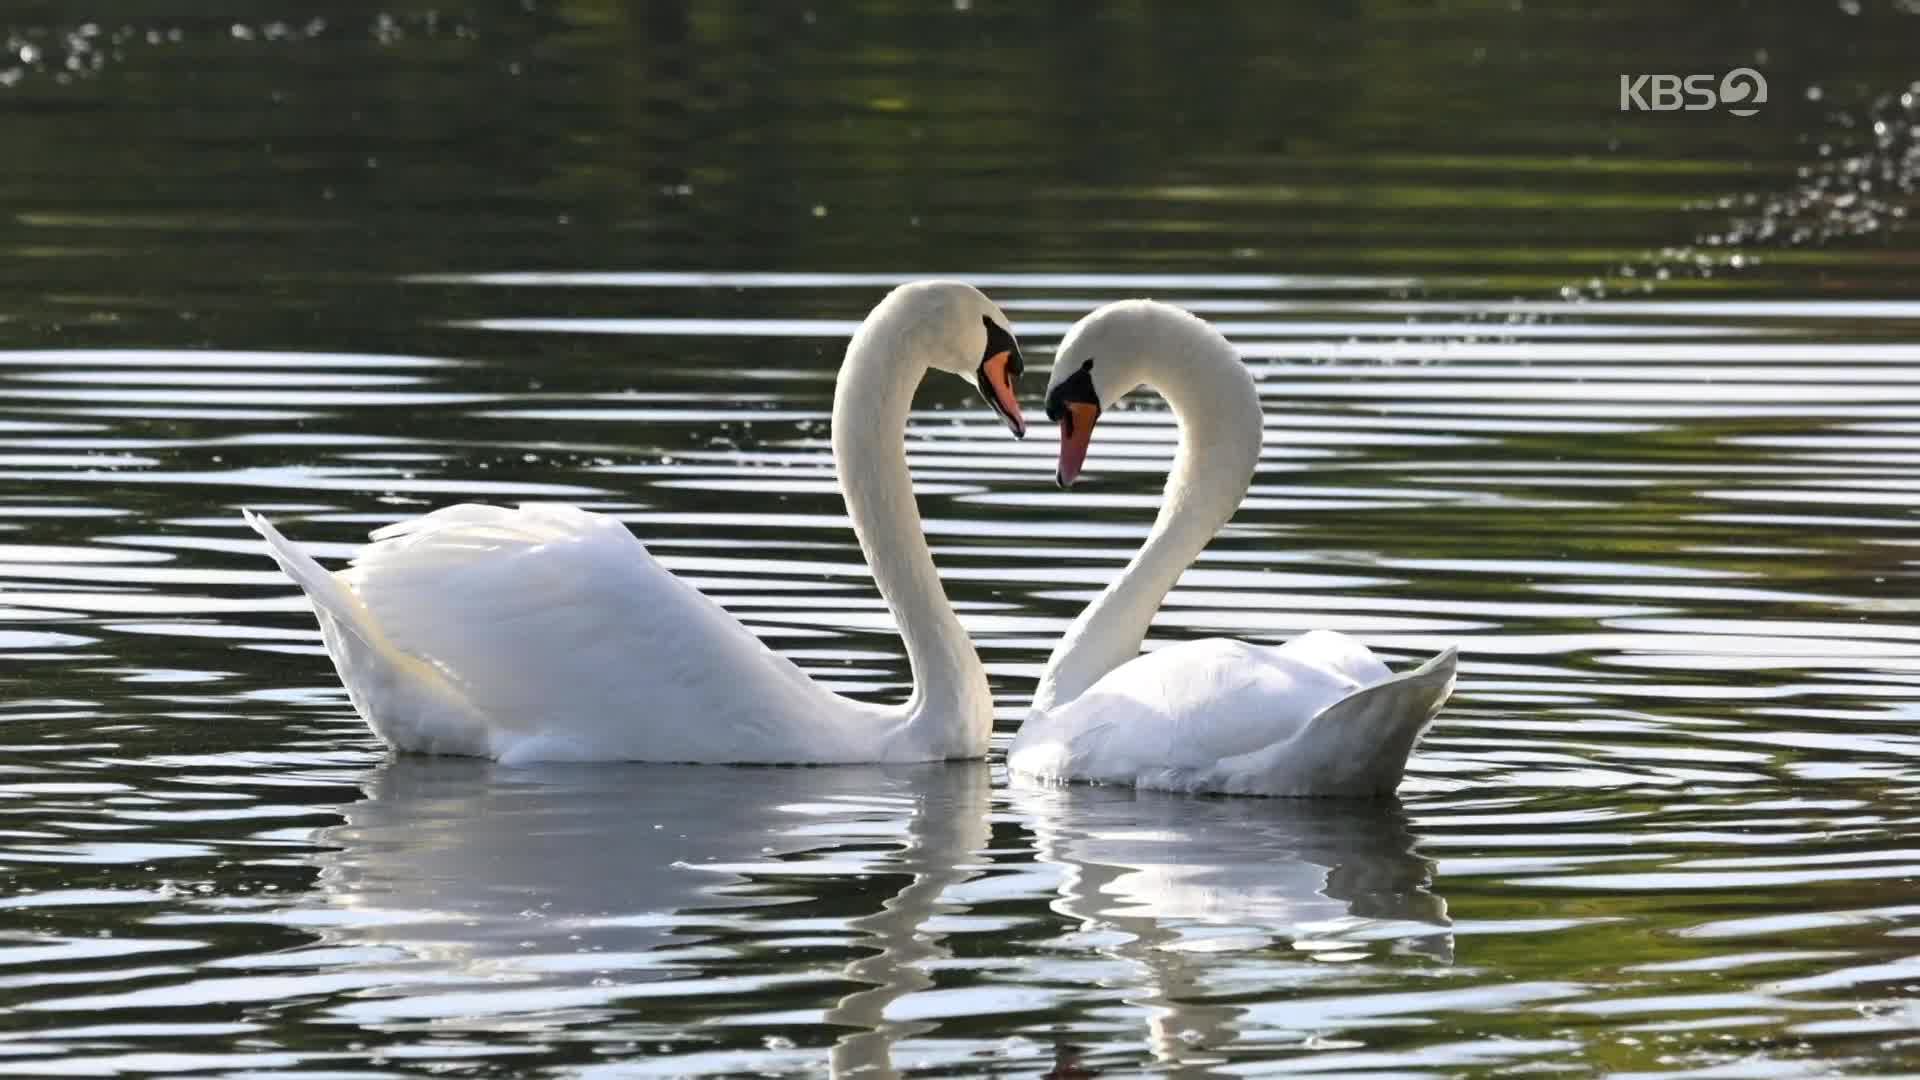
(958, 330)
(1112, 352)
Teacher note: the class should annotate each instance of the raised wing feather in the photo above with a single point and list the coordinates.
(1320, 715)
(1337, 653)
(1356, 746)
(569, 639)
(1234, 697)
(1192, 704)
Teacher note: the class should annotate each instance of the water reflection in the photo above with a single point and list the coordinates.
(1181, 887)
(465, 895)
(544, 896)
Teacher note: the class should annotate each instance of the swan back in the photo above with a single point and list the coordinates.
(624, 652)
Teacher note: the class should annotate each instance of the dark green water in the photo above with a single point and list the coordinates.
(1626, 404)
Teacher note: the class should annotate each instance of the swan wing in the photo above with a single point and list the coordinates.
(1184, 706)
(566, 640)
(1357, 746)
(1337, 654)
(1320, 715)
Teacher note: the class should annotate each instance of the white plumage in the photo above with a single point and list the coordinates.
(547, 633)
(1317, 716)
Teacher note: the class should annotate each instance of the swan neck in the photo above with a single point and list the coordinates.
(1217, 411)
(950, 713)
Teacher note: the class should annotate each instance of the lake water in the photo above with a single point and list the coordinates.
(1627, 405)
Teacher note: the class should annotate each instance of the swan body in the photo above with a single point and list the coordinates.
(548, 633)
(1317, 716)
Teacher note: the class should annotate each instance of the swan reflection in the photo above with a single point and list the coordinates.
(1179, 886)
(542, 892)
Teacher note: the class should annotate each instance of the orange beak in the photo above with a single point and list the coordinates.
(1076, 431)
(996, 383)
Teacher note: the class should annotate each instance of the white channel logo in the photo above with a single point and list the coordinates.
(1741, 90)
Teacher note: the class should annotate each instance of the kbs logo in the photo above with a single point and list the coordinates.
(1740, 90)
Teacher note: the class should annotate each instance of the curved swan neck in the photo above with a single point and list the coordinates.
(1217, 410)
(951, 709)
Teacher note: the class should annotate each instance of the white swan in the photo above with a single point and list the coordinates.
(550, 634)
(1320, 715)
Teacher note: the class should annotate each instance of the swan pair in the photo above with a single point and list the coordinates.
(549, 633)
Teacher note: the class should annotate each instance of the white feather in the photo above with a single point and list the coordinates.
(548, 633)
(1229, 717)
(1320, 715)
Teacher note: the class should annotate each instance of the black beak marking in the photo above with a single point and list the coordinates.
(1075, 388)
(999, 340)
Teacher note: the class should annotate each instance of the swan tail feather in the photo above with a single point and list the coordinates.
(407, 702)
(1358, 746)
(326, 591)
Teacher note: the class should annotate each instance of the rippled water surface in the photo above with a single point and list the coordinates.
(1626, 405)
